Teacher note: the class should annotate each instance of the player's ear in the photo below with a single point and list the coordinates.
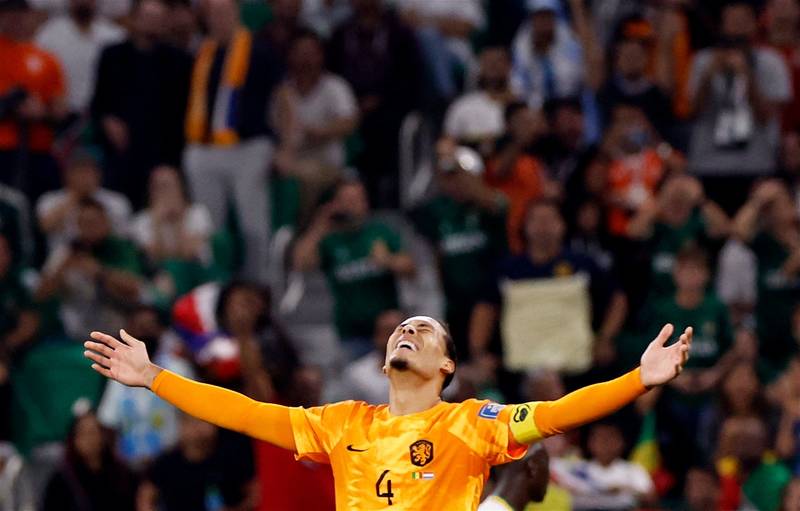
(448, 366)
(383, 369)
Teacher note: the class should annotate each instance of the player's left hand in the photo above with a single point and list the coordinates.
(660, 363)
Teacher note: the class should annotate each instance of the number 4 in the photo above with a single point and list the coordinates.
(388, 494)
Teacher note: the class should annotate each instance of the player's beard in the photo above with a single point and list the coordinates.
(399, 363)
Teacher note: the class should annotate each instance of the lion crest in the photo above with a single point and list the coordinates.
(421, 453)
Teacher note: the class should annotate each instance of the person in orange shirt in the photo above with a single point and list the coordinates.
(31, 101)
(417, 452)
(520, 176)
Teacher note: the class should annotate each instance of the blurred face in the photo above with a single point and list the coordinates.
(286, 10)
(527, 125)
(701, 490)
(568, 126)
(791, 498)
(145, 326)
(83, 10)
(691, 275)
(741, 387)
(222, 18)
(417, 345)
(783, 13)
(89, 437)
(739, 21)
(631, 59)
(307, 383)
(635, 128)
(589, 218)
(93, 225)
(495, 67)
(351, 198)
(196, 434)
(83, 179)
(384, 327)
(243, 309)
(5, 257)
(150, 20)
(545, 385)
(605, 444)
(165, 184)
(746, 438)
(544, 227)
(544, 28)
(17, 24)
(306, 57)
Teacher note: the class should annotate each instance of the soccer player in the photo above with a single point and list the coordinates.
(417, 452)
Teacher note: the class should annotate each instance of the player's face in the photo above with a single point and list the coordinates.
(418, 345)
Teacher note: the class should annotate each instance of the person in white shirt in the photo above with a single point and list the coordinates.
(478, 116)
(57, 211)
(606, 481)
(76, 39)
(363, 378)
(520, 482)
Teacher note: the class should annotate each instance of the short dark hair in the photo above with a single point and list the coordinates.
(692, 253)
(450, 351)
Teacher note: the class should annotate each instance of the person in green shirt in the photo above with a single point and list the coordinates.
(465, 223)
(361, 258)
(680, 215)
(96, 276)
(768, 223)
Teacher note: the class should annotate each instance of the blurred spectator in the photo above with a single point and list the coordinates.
(380, 58)
(443, 29)
(736, 90)
(361, 257)
(476, 118)
(782, 20)
(565, 149)
(550, 59)
(516, 171)
(285, 483)
(520, 482)
(629, 81)
(230, 151)
(146, 426)
(364, 378)
(587, 235)
(546, 257)
(173, 233)
(15, 490)
(791, 496)
(139, 101)
(316, 113)
(57, 211)
(768, 223)
(19, 320)
(197, 474)
(280, 31)
(465, 223)
(639, 162)
(77, 40)
(701, 491)
(31, 102)
(758, 479)
(605, 481)
(679, 216)
(183, 26)
(325, 16)
(90, 477)
(96, 276)
(110, 9)
(736, 279)
(15, 224)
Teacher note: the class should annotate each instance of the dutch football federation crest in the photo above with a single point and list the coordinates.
(421, 453)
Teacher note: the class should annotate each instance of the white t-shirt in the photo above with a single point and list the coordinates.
(78, 52)
(116, 205)
(620, 485)
(111, 9)
(330, 100)
(474, 116)
(197, 222)
(462, 10)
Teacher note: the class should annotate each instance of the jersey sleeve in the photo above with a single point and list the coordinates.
(319, 429)
(484, 427)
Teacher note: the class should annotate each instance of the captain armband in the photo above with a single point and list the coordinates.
(523, 425)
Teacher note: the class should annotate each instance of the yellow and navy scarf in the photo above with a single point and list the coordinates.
(228, 100)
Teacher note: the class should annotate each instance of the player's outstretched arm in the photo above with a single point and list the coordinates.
(659, 364)
(127, 362)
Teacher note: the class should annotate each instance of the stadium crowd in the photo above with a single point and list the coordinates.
(261, 190)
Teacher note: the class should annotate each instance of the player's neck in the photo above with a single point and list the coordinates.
(408, 394)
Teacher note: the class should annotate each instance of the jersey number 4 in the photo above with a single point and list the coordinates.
(388, 495)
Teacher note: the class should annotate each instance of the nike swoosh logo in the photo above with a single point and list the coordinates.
(353, 449)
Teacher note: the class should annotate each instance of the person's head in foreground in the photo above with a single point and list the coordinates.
(422, 349)
(525, 480)
(606, 443)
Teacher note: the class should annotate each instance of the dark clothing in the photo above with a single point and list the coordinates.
(33, 173)
(217, 481)
(655, 105)
(148, 90)
(264, 73)
(75, 488)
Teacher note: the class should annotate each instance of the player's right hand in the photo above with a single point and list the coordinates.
(126, 362)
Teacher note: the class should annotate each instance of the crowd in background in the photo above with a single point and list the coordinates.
(261, 190)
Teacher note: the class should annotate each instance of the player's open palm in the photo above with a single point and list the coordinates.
(661, 363)
(126, 362)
